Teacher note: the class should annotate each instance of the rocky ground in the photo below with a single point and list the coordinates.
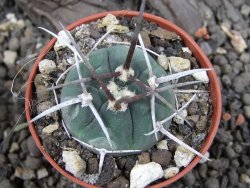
(225, 38)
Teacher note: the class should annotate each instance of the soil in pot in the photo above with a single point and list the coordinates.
(81, 152)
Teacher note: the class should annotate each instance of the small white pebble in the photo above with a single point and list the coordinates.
(163, 144)
(203, 160)
(221, 50)
(71, 60)
(47, 66)
(11, 17)
(177, 119)
(183, 156)
(238, 42)
(244, 178)
(179, 64)
(143, 174)
(14, 147)
(186, 49)
(42, 173)
(163, 61)
(74, 163)
(171, 172)
(201, 76)
(108, 20)
(9, 57)
(50, 128)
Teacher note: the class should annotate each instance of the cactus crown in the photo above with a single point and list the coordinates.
(126, 128)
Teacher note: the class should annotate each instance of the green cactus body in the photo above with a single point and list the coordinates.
(126, 129)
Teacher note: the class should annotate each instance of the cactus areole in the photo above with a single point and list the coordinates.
(126, 128)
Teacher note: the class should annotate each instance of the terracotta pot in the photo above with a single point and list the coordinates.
(215, 90)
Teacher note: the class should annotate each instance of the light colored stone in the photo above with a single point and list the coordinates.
(163, 61)
(247, 111)
(182, 156)
(163, 144)
(14, 147)
(144, 174)
(244, 178)
(245, 10)
(50, 128)
(42, 173)
(171, 172)
(63, 37)
(24, 173)
(118, 28)
(9, 57)
(179, 64)
(203, 160)
(108, 20)
(238, 42)
(186, 49)
(71, 60)
(201, 76)
(177, 119)
(47, 66)
(11, 23)
(74, 163)
(11, 17)
(221, 50)
(164, 34)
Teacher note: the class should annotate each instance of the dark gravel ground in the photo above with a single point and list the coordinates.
(21, 164)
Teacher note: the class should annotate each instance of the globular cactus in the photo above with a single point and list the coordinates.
(124, 113)
(126, 128)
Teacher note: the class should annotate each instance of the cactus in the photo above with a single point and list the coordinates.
(127, 128)
(118, 100)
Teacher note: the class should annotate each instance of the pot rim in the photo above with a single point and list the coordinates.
(215, 91)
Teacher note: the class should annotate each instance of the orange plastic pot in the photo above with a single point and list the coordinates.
(215, 92)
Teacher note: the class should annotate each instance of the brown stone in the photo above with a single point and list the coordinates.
(143, 158)
(226, 116)
(164, 34)
(240, 120)
(202, 33)
(162, 157)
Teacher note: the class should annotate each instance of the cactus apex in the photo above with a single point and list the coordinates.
(124, 73)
